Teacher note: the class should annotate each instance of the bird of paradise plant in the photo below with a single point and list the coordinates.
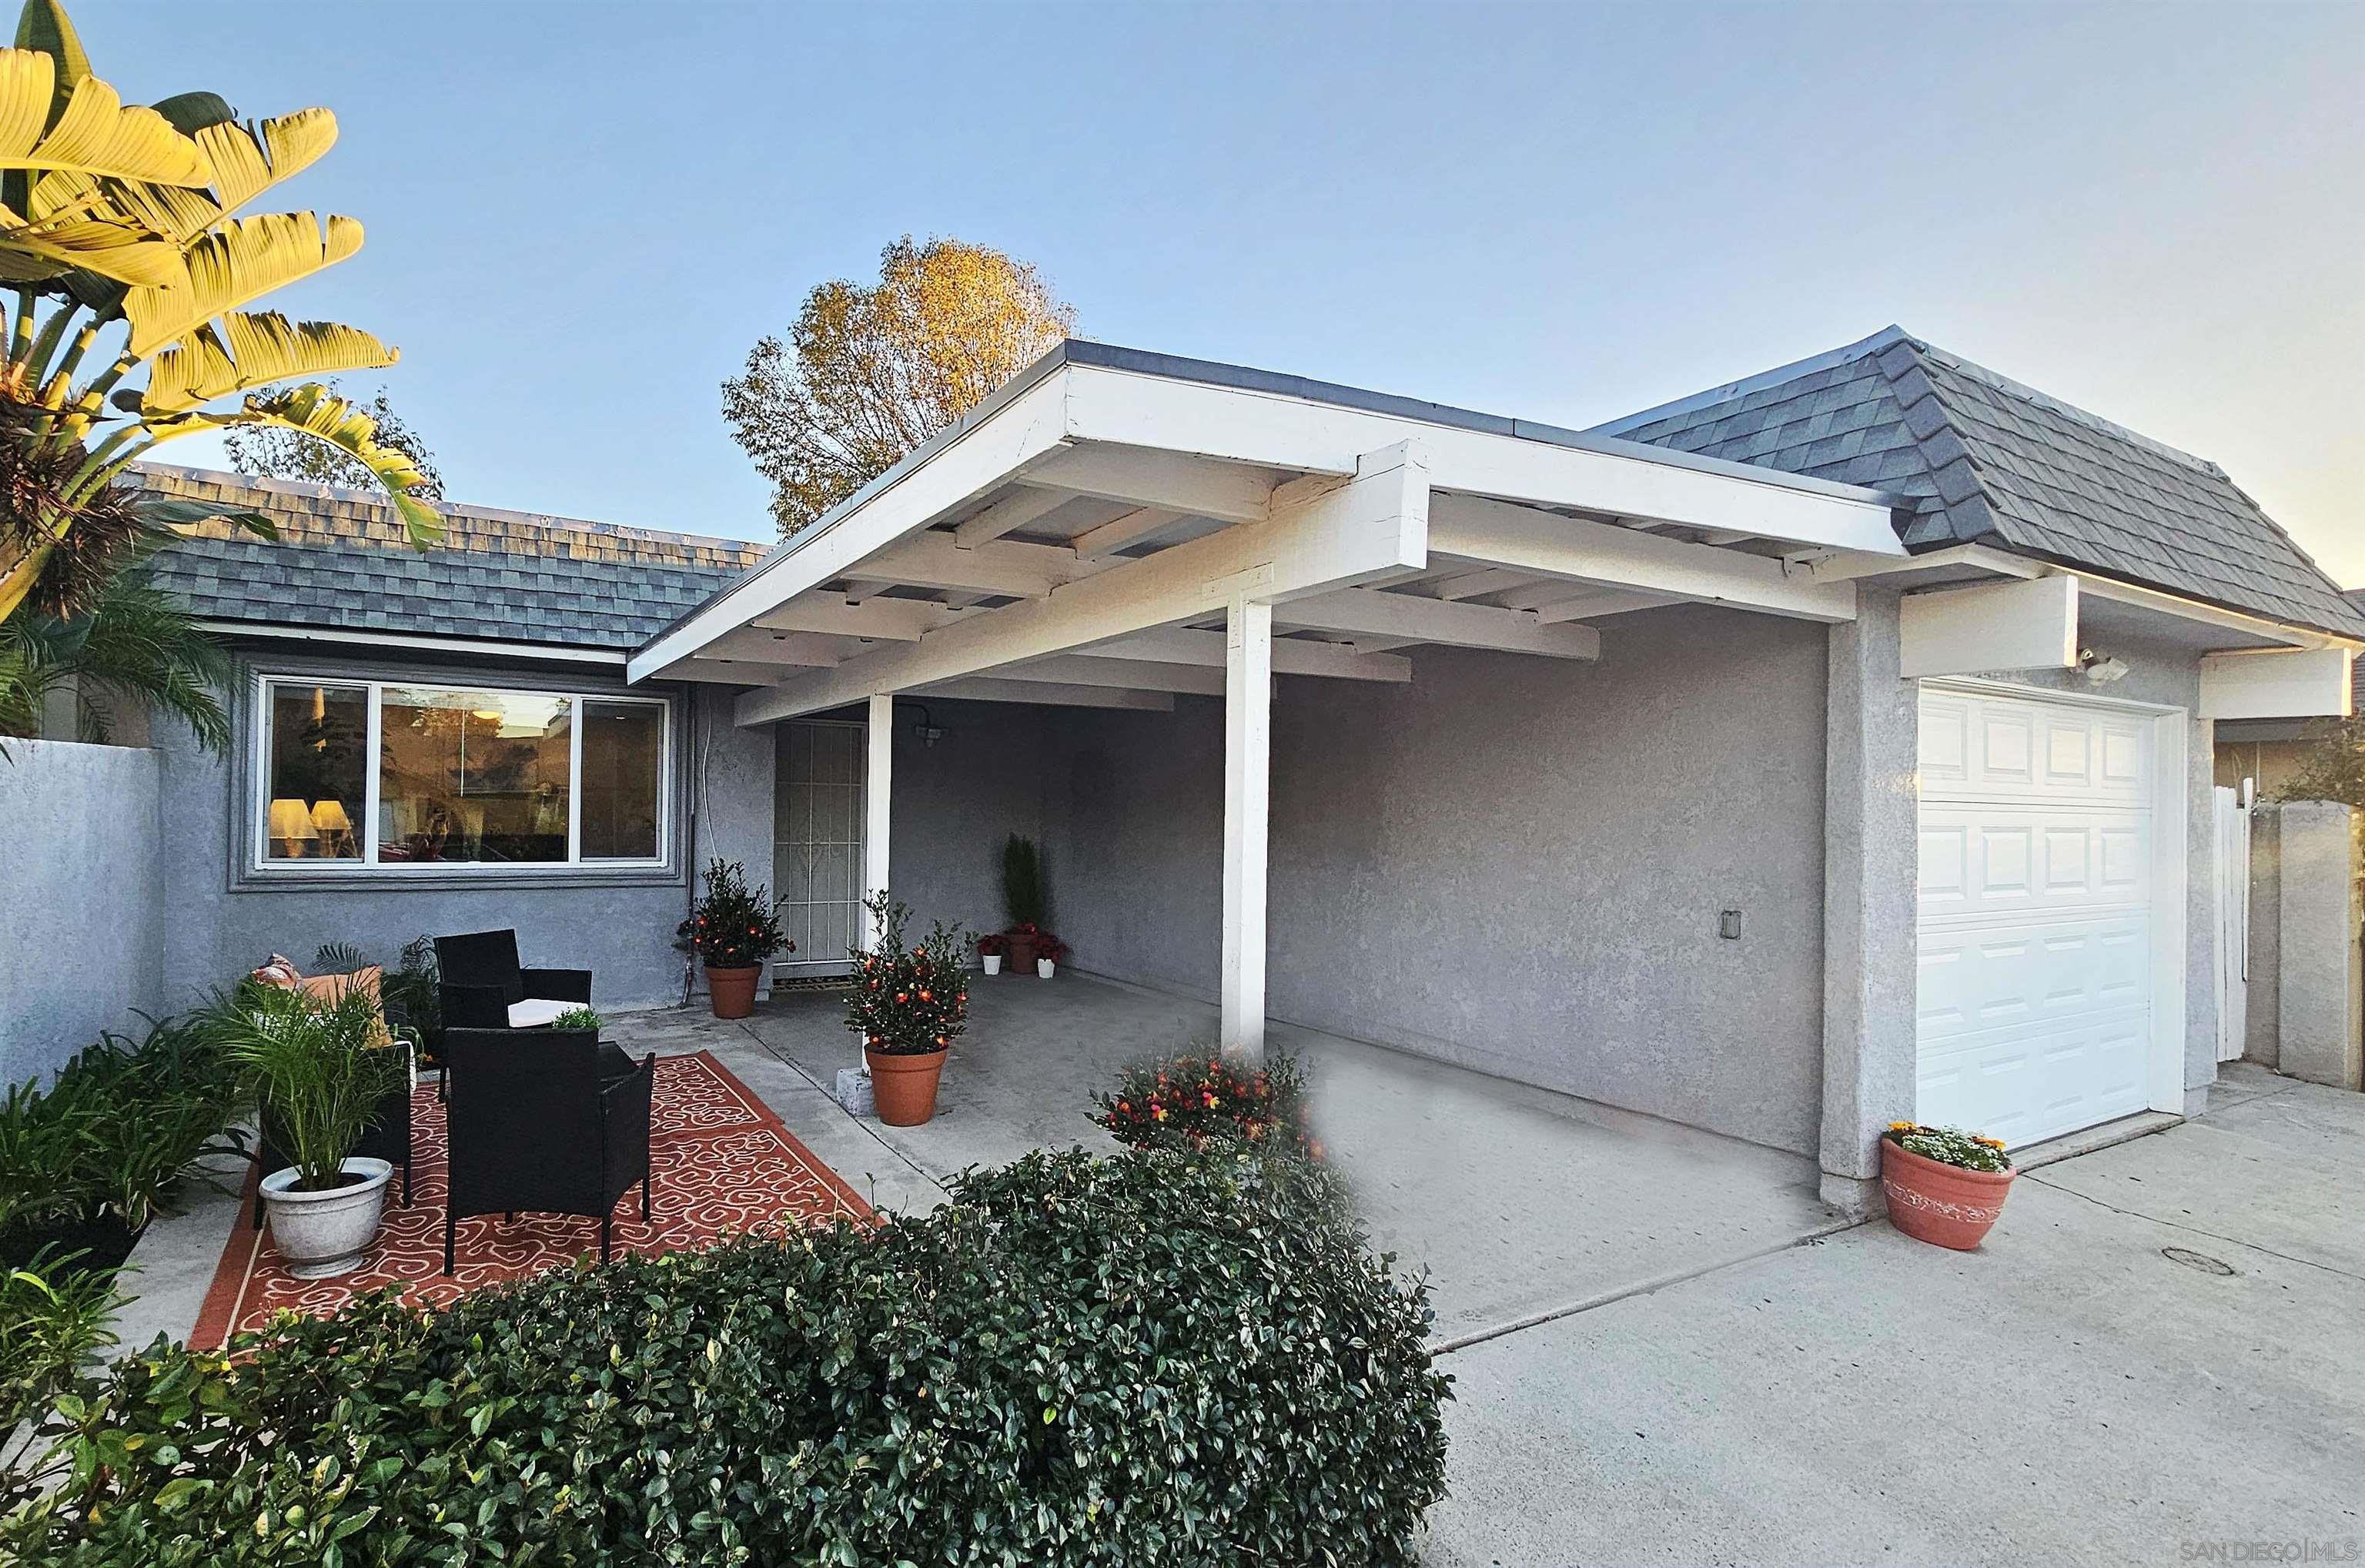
(120, 230)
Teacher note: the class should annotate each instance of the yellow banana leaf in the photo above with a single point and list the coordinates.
(247, 258)
(32, 253)
(96, 135)
(320, 413)
(259, 350)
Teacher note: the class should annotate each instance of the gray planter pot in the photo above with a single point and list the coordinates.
(321, 1234)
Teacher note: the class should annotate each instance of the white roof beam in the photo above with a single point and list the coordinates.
(1609, 601)
(1597, 552)
(1485, 581)
(934, 560)
(989, 688)
(1009, 514)
(1291, 655)
(1141, 675)
(1321, 533)
(887, 619)
(1275, 430)
(1439, 621)
(754, 645)
(1131, 529)
(1169, 480)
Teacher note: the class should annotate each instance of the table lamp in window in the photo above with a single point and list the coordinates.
(336, 829)
(291, 828)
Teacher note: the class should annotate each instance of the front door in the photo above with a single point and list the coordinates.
(817, 843)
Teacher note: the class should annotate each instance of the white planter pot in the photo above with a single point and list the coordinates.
(1043, 967)
(321, 1234)
(993, 962)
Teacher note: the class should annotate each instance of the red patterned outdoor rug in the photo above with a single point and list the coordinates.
(723, 1164)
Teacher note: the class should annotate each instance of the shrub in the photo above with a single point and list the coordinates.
(579, 1018)
(1950, 1146)
(907, 1001)
(1023, 898)
(111, 1140)
(1152, 1359)
(1184, 1101)
(55, 1315)
(733, 926)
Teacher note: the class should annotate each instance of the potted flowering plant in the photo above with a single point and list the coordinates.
(910, 1003)
(990, 949)
(1187, 1101)
(732, 929)
(1943, 1185)
(1048, 951)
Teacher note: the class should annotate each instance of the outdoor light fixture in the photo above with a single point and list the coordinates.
(2101, 668)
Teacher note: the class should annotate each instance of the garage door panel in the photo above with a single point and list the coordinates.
(2035, 885)
(1978, 978)
(2022, 1085)
(2005, 861)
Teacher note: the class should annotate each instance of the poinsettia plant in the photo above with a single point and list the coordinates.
(1049, 946)
(733, 926)
(1186, 1102)
(992, 946)
(908, 1000)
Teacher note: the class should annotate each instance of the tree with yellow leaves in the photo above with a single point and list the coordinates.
(869, 371)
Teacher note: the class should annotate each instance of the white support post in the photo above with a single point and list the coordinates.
(878, 791)
(1248, 787)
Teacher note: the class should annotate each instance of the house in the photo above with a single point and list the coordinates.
(1602, 761)
(2269, 752)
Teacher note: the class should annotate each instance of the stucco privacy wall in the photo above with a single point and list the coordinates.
(81, 935)
(214, 930)
(1515, 864)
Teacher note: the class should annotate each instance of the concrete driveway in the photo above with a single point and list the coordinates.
(2071, 1393)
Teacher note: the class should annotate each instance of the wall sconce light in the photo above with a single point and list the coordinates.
(2101, 668)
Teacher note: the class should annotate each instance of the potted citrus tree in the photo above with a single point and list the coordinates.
(319, 1065)
(732, 929)
(910, 1003)
(1943, 1185)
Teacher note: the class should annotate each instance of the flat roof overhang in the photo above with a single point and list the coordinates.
(1080, 531)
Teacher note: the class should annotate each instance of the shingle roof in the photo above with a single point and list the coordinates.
(1987, 461)
(341, 562)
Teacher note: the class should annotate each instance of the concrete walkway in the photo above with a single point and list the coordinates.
(2088, 1388)
(1519, 1202)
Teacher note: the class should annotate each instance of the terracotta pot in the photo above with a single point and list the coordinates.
(1022, 953)
(904, 1086)
(734, 991)
(1944, 1205)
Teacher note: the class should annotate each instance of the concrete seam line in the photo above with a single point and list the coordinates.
(2190, 1229)
(1626, 1293)
(794, 1066)
(2064, 1156)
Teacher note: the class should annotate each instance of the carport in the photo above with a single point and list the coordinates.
(1115, 530)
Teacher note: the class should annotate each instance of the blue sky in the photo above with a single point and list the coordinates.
(581, 216)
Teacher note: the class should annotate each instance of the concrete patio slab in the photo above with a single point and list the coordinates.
(2069, 1394)
(1517, 1201)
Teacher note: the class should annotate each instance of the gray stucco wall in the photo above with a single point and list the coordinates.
(988, 775)
(2316, 959)
(1515, 864)
(216, 929)
(81, 933)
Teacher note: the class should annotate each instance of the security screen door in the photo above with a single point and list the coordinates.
(817, 843)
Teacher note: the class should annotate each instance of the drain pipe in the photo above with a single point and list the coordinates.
(698, 719)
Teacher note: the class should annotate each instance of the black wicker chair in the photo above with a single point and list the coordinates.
(537, 1127)
(480, 976)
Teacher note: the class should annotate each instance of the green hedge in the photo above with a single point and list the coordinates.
(1153, 1359)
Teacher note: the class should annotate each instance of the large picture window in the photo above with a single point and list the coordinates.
(398, 775)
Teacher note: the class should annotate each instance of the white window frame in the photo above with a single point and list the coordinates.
(259, 860)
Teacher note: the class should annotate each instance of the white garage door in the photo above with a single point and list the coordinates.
(2035, 922)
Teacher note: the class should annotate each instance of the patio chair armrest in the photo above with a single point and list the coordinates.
(477, 1007)
(557, 985)
(624, 1108)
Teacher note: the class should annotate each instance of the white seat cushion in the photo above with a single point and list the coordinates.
(535, 1014)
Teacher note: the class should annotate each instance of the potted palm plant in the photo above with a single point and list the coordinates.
(732, 929)
(910, 1003)
(319, 1065)
(1943, 1185)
